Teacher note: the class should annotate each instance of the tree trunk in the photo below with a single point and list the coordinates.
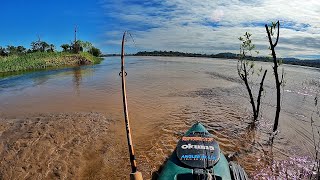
(276, 75)
(245, 79)
(260, 92)
(255, 116)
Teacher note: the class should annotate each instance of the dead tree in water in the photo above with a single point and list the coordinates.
(245, 68)
(276, 63)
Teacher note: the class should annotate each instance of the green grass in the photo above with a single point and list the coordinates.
(42, 60)
(90, 57)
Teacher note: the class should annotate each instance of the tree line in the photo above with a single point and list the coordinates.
(228, 55)
(42, 46)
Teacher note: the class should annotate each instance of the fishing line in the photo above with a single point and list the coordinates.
(133, 40)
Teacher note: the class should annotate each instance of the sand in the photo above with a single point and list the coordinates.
(58, 146)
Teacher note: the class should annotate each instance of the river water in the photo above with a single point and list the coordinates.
(166, 95)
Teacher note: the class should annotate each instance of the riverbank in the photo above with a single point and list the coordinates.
(42, 60)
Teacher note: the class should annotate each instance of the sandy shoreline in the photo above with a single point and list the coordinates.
(58, 146)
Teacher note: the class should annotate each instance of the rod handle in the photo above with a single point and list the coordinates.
(136, 176)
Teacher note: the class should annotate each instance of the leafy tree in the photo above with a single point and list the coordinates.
(51, 48)
(65, 47)
(39, 45)
(95, 51)
(29, 51)
(21, 49)
(85, 45)
(246, 70)
(3, 51)
(36, 46)
(44, 46)
(81, 46)
(75, 46)
(11, 50)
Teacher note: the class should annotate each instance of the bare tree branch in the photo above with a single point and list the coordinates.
(276, 75)
(260, 91)
(278, 32)
(245, 70)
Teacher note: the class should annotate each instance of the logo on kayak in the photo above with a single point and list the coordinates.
(190, 146)
(203, 139)
(197, 156)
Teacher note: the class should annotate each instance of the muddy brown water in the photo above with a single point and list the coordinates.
(165, 97)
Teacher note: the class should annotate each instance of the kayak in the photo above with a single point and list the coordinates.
(198, 156)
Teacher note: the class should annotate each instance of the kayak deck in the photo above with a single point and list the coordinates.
(176, 169)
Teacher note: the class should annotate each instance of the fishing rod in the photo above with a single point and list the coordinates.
(135, 174)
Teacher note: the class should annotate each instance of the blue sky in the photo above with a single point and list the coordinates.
(205, 26)
(53, 21)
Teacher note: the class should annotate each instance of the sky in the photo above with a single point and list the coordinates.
(199, 26)
(23, 21)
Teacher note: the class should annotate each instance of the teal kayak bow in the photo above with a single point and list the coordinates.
(198, 156)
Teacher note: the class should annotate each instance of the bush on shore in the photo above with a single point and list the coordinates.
(42, 60)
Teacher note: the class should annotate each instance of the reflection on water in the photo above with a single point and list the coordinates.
(165, 97)
(77, 77)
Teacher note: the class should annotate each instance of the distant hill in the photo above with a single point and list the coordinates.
(228, 55)
(310, 63)
(168, 53)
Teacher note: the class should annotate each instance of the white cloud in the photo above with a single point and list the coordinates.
(217, 15)
(208, 26)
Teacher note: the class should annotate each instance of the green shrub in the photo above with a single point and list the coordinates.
(41, 60)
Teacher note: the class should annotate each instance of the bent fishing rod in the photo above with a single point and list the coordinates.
(135, 174)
